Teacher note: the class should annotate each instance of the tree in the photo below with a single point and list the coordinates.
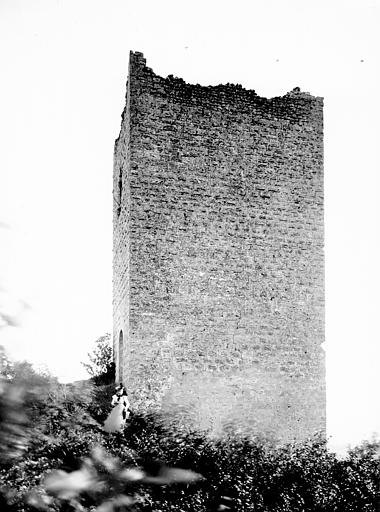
(101, 367)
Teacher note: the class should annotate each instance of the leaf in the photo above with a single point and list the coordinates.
(37, 500)
(116, 503)
(167, 476)
(100, 456)
(132, 474)
(69, 485)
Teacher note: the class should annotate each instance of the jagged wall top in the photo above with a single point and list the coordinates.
(295, 105)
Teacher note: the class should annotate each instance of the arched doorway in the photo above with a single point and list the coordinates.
(121, 355)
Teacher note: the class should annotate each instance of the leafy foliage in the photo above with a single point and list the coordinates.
(56, 457)
(12, 423)
(101, 367)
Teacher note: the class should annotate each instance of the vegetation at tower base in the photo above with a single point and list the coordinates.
(58, 458)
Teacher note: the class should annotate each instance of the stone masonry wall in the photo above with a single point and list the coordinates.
(218, 254)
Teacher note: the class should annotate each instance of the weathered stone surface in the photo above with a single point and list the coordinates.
(218, 254)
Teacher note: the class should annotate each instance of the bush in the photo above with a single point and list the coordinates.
(90, 468)
(101, 367)
(100, 404)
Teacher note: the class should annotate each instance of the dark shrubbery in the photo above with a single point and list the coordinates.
(58, 427)
(300, 477)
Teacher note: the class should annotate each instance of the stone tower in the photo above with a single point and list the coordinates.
(218, 254)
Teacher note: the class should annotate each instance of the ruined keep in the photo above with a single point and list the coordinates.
(218, 254)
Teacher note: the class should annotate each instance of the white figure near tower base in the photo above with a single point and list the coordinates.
(115, 421)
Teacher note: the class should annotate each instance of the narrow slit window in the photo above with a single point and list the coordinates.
(120, 192)
(121, 355)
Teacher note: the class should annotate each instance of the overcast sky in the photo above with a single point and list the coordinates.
(63, 66)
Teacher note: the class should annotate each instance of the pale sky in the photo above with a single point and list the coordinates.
(63, 66)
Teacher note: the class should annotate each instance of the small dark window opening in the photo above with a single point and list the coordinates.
(121, 355)
(120, 191)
